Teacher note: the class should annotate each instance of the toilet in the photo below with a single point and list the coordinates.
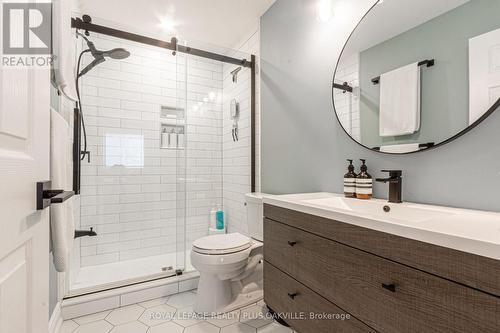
(230, 265)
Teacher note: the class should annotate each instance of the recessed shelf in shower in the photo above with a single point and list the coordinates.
(172, 128)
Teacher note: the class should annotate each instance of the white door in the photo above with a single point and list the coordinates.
(484, 73)
(24, 231)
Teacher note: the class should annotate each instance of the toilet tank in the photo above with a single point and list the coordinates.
(255, 215)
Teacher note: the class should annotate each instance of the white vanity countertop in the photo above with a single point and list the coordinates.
(465, 230)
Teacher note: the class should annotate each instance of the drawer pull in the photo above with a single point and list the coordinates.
(390, 287)
(292, 296)
(292, 243)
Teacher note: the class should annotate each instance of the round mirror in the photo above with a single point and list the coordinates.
(415, 75)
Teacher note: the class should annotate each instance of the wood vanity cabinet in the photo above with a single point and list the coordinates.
(385, 283)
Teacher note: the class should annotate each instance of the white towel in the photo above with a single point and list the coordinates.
(400, 101)
(399, 149)
(62, 227)
(63, 46)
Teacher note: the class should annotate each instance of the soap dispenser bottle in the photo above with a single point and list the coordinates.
(350, 181)
(364, 183)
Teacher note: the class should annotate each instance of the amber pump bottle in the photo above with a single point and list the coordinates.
(364, 183)
(350, 181)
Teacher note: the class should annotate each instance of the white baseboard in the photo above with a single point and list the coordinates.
(56, 319)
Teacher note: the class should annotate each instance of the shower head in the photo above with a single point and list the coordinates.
(117, 53)
(234, 73)
(100, 56)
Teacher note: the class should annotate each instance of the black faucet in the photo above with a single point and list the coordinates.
(395, 185)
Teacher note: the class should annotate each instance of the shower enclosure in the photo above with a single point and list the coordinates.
(158, 152)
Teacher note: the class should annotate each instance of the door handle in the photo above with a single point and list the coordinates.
(45, 196)
(292, 296)
(292, 243)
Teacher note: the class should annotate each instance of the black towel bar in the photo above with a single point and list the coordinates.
(45, 196)
(428, 63)
(421, 146)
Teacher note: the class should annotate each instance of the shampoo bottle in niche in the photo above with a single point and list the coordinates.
(164, 138)
(219, 225)
(364, 183)
(172, 139)
(350, 181)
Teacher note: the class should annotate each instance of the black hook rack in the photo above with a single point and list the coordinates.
(427, 63)
(45, 196)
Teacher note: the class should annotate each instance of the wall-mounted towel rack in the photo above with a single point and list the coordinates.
(428, 63)
(46, 196)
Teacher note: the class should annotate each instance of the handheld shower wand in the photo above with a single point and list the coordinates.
(99, 57)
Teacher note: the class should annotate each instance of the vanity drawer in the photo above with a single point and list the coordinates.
(475, 271)
(278, 286)
(387, 296)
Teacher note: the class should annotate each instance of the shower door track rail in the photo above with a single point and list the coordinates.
(80, 24)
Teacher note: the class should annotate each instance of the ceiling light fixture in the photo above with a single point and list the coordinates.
(324, 11)
(168, 24)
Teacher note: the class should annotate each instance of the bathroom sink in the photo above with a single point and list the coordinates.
(466, 230)
(380, 209)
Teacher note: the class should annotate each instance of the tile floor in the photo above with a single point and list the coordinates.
(174, 314)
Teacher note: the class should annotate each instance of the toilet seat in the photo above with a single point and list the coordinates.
(222, 244)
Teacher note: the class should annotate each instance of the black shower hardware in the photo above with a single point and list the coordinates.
(99, 57)
(234, 74)
(174, 42)
(395, 185)
(85, 24)
(428, 63)
(235, 116)
(83, 233)
(345, 87)
(46, 196)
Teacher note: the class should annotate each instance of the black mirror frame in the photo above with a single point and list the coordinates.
(492, 109)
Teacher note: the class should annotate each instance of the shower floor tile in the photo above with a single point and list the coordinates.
(161, 315)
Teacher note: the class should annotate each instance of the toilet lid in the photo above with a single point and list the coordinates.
(222, 244)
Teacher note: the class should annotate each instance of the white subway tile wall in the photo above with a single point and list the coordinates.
(347, 104)
(132, 189)
(237, 155)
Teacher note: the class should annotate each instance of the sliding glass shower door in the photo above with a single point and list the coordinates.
(133, 186)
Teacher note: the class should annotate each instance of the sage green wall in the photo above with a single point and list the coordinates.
(445, 87)
(303, 147)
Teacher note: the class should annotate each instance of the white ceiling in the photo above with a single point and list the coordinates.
(216, 22)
